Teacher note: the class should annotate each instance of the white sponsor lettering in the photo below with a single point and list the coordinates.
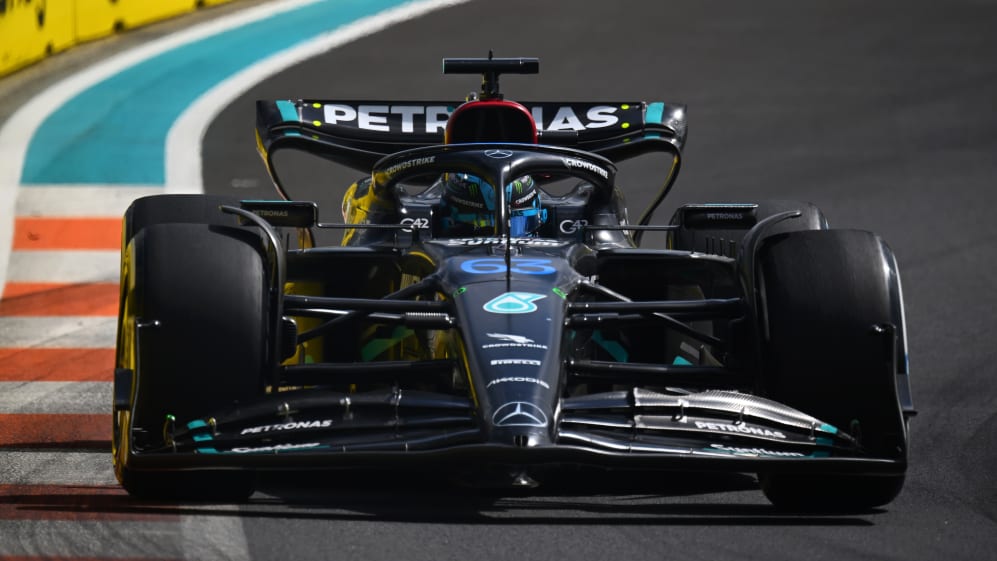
(518, 379)
(373, 117)
(511, 338)
(565, 118)
(516, 361)
(601, 116)
(572, 226)
(724, 215)
(514, 241)
(276, 448)
(740, 428)
(417, 223)
(582, 164)
(434, 117)
(512, 341)
(408, 114)
(334, 114)
(756, 451)
(514, 346)
(409, 164)
(297, 425)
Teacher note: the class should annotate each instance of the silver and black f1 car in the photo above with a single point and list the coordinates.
(508, 331)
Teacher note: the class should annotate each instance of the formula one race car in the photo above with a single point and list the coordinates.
(506, 332)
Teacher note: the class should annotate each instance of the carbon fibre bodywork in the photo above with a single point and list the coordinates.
(408, 348)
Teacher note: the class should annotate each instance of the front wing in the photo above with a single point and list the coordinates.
(636, 429)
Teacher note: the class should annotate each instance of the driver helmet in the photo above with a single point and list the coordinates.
(469, 205)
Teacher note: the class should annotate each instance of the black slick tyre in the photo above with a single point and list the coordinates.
(194, 330)
(828, 350)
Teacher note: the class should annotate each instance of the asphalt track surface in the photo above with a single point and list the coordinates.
(880, 113)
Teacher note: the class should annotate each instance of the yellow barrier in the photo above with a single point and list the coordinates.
(30, 30)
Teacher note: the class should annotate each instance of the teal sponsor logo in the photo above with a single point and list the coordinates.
(513, 303)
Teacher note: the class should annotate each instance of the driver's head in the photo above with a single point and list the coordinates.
(469, 206)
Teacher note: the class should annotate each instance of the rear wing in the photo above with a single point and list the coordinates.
(359, 133)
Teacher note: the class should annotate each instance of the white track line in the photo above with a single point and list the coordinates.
(183, 157)
(57, 468)
(71, 267)
(84, 398)
(17, 132)
(58, 332)
(92, 539)
(183, 174)
(79, 200)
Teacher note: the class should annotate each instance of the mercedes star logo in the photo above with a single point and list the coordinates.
(519, 414)
(498, 154)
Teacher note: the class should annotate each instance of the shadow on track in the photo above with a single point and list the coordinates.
(575, 499)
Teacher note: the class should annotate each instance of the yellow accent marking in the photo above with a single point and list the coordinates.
(317, 105)
(625, 125)
(625, 106)
(317, 123)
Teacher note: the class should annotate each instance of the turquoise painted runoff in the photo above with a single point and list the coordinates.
(115, 132)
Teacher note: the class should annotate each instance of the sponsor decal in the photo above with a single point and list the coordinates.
(297, 425)
(432, 119)
(572, 226)
(519, 414)
(740, 429)
(518, 379)
(523, 202)
(414, 162)
(512, 341)
(513, 303)
(497, 265)
(271, 213)
(429, 119)
(565, 118)
(277, 448)
(417, 223)
(582, 164)
(493, 241)
(510, 338)
(755, 451)
(498, 154)
(515, 361)
(724, 216)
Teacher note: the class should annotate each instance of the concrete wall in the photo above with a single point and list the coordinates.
(30, 30)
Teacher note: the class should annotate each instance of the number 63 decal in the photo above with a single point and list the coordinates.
(493, 265)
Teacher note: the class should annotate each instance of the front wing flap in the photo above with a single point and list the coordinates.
(638, 429)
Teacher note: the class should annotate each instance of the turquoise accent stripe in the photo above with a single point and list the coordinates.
(115, 132)
(198, 424)
(654, 114)
(829, 428)
(614, 348)
(288, 111)
(681, 361)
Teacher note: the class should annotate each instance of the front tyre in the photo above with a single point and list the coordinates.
(194, 338)
(829, 350)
